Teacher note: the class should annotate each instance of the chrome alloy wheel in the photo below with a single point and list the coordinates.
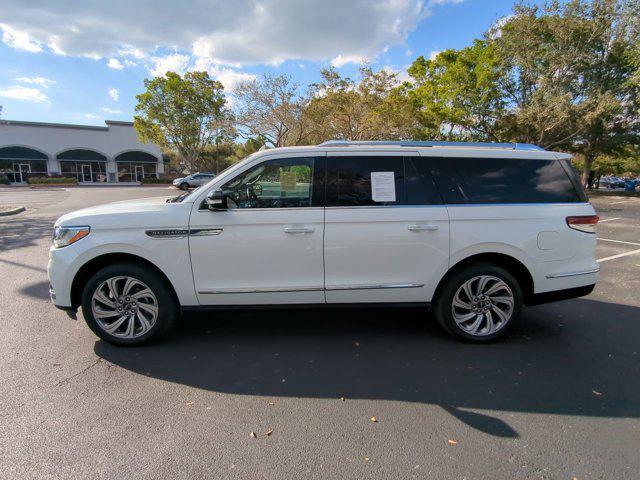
(124, 307)
(482, 305)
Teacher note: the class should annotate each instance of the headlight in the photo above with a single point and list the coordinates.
(63, 236)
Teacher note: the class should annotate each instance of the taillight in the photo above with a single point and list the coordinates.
(583, 223)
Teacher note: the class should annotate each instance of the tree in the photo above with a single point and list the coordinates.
(570, 76)
(181, 113)
(371, 109)
(270, 108)
(564, 76)
(457, 95)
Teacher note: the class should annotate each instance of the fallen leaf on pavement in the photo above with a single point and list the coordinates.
(374, 419)
(452, 442)
(366, 459)
(269, 432)
(342, 399)
(252, 434)
(595, 392)
(271, 404)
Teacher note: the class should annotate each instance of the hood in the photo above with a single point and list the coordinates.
(140, 213)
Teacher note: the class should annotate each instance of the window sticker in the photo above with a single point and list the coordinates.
(288, 181)
(383, 187)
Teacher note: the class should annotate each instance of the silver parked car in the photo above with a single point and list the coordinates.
(191, 181)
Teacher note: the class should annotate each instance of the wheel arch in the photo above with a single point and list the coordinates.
(85, 272)
(514, 266)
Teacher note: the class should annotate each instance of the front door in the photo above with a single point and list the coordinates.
(86, 173)
(139, 173)
(24, 169)
(267, 247)
(386, 230)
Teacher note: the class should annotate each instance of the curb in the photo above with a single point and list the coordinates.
(13, 211)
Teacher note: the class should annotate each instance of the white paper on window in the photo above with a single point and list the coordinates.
(383, 187)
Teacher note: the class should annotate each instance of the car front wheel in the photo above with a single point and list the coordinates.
(184, 186)
(479, 303)
(126, 304)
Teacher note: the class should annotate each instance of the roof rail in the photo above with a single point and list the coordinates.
(415, 143)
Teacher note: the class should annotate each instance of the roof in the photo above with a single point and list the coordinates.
(21, 123)
(430, 144)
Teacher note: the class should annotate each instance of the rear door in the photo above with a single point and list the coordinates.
(386, 230)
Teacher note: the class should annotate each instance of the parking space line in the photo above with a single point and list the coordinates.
(621, 201)
(612, 257)
(609, 219)
(618, 241)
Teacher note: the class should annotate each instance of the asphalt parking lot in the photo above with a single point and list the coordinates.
(558, 399)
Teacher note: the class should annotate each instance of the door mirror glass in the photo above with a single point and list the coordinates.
(217, 201)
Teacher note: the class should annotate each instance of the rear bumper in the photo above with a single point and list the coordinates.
(557, 295)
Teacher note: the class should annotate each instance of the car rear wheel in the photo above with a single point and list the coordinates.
(479, 303)
(126, 304)
(184, 186)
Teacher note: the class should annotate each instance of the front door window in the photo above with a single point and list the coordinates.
(139, 173)
(86, 173)
(282, 183)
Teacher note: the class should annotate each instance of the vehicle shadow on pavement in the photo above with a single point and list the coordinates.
(572, 358)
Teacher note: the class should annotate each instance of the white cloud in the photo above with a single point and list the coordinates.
(41, 81)
(19, 40)
(495, 31)
(113, 111)
(340, 61)
(114, 93)
(433, 54)
(171, 63)
(230, 33)
(91, 116)
(19, 92)
(115, 64)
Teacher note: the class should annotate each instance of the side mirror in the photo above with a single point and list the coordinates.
(217, 201)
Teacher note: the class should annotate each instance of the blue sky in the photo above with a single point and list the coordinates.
(72, 62)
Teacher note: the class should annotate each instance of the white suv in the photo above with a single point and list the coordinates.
(475, 231)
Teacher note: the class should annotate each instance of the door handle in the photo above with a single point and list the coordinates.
(422, 227)
(299, 229)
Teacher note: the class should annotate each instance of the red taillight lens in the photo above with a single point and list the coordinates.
(583, 223)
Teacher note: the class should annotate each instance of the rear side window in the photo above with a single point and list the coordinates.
(485, 180)
(349, 181)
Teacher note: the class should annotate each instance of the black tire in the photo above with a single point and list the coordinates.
(443, 307)
(184, 186)
(167, 307)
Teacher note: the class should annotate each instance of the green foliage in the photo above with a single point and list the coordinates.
(52, 180)
(370, 109)
(4, 180)
(185, 114)
(562, 76)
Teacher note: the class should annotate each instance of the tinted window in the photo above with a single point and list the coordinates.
(349, 180)
(480, 180)
(420, 188)
(282, 183)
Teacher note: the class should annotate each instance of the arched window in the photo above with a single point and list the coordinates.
(84, 164)
(20, 163)
(135, 165)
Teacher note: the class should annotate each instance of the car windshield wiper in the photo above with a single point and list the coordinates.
(177, 199)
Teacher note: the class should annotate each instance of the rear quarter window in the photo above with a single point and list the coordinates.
(485, 180)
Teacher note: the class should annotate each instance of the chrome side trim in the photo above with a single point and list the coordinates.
(573, 274)
(374, 286)
(261, 290)
(201, 232)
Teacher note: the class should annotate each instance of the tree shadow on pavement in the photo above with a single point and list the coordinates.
(562, 358)
(23, 232)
